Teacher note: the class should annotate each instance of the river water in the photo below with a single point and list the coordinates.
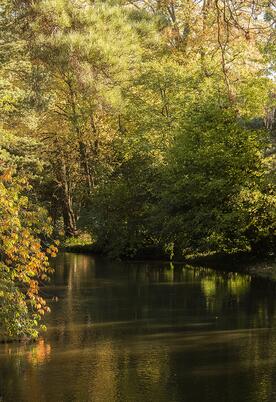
(147, 332)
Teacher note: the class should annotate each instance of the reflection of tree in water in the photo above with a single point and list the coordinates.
(149, 332)
(39, 353)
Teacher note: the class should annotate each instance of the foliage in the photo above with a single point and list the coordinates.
(83, 239)
(217, 195)
(142, 123)
(24, 265)
(120, 211)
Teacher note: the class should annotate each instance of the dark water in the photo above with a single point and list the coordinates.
(145, 333)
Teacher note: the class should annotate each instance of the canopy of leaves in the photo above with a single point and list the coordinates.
(145, 123)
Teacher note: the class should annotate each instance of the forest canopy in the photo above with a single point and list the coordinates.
(146, 124)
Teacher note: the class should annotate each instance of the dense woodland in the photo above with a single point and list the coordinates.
(145, 124)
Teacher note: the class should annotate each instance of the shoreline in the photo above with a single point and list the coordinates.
(263, 266)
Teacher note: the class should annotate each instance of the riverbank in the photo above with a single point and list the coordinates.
(256, 265)
(243, 262)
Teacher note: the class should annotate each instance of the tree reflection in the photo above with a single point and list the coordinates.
(152, 332)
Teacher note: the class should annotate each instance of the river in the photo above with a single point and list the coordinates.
(147, 332)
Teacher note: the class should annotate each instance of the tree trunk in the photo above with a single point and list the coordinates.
(85, 166)
(69, 218)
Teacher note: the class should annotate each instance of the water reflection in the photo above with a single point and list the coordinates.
(147, 332)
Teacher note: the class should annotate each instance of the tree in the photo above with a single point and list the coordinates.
(100, 95)
(218, 195)
(24, 264)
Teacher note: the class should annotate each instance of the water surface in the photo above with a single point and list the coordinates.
(138, 332)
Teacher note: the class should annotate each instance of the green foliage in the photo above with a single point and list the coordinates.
(141, 123)
(21, 154)
(120, 211)
(83, 239)
(215, 174)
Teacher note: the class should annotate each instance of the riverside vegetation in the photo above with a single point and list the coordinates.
(145, 124)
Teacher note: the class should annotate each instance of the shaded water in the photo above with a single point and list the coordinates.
(145, 333)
